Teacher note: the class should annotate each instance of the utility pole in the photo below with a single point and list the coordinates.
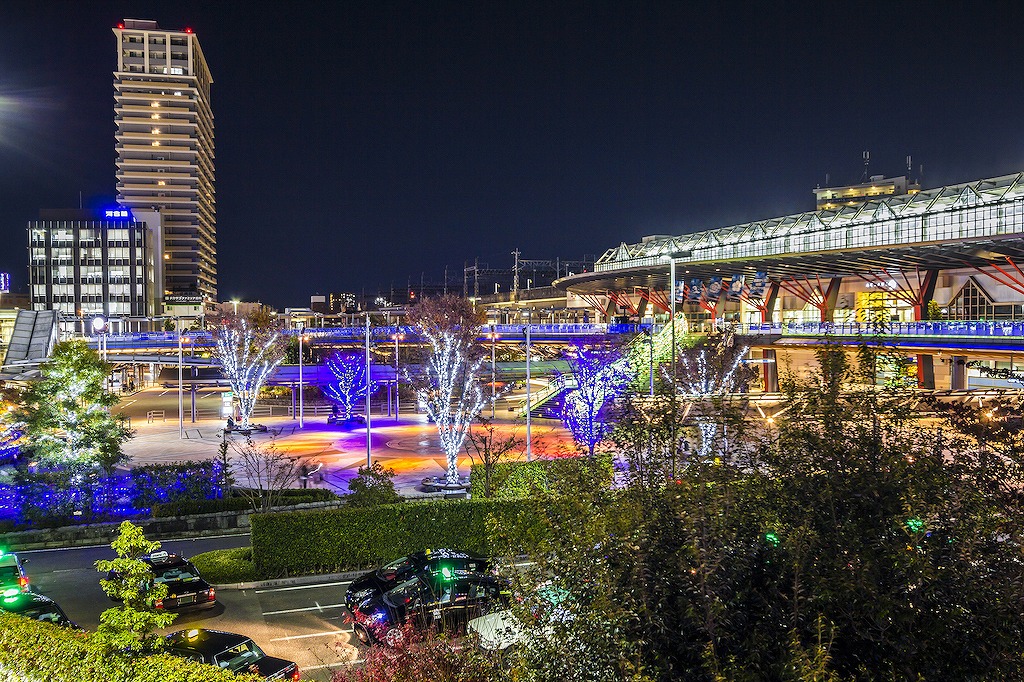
(515, 276)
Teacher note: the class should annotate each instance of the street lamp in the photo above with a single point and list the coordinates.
(234, 302)
(301, 403)
(99, 328)
(368, 417)
(494, 340)
(181, 406)
(650, 342)
(397, 336)
(671, 257)
(529, 440)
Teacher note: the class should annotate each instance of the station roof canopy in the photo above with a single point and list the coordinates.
(970, 224)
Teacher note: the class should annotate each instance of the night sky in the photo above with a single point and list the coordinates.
(360, 144)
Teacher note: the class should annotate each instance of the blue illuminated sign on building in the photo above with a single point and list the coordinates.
(5, 282)
(118, 214)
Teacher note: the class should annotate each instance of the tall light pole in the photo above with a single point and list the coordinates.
(368, 416)
(398, 337)
(494, 340)
(181, 407)
(234, 302)
(301, 403)
(650, 340)
(529, 440)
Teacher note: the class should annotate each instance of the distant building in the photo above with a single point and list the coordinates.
(877, 186)
(333, 303)
(85, 264)
(165, 152)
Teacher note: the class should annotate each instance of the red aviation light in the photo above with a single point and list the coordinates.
(121, 26)
(188, 30)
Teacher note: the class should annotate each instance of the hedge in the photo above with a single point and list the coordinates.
(516, 480)
(38, 652)
(226, 566)
(200, 506)
(328, 540)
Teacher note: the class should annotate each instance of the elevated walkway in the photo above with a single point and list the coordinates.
(32, 341)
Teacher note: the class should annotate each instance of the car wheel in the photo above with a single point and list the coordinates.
(363, 635)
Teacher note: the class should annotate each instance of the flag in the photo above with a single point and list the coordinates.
(714, 289)
(758, 286)
(735, 287)
(696, 287)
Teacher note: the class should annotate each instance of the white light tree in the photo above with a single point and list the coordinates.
(447, 383)
(707, 373)
(248, 355)
(350, 381)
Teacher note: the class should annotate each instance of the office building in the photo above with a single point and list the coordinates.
(165, 157)
(85, 264)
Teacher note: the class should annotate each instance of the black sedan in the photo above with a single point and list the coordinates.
(229, 651)
(36, 607)
(186, 589)
(446, 600)
(398, 571)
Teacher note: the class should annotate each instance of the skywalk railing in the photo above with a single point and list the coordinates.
(969, 329)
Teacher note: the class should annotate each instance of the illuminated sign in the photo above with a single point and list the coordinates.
(118, 214)
(5, 282)
(183, 300)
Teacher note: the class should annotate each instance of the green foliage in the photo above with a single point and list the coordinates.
(518, 480)
(240, 502)
(372, 486)
(130, 627)
(32, 650)
(226, 566)
(67, 413)
(184, 480)
(327, 540)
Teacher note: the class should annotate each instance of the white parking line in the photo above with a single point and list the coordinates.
(318, 607)
(333, 665)
(302, 587)
(315, 634)
(129, 403)
(165, 393)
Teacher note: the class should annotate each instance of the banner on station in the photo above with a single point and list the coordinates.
(680, 291)
(758, 285)
(696, 289)
(735, 287)
(714, 289)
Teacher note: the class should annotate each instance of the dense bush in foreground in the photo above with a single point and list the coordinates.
(31, 650)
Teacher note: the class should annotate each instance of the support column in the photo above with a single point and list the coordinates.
(925, 361)
(772, 296)
(958, 372)
(831, 296)
(610, 310)
(771, 371)
(642, 308)
(293, 401)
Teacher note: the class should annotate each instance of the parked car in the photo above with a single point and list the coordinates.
(229, 651)
(186, 589)
(400, 570)
(37, 607)
(501, 629)
(446, 600)
(13, 578)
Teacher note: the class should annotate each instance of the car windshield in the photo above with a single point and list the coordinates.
(45, 613)
(396, 568)
(405, 593)
(9, 574)
(183, 571)
(239, 657)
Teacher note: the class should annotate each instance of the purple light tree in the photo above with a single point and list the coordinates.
(248, 356)
(350, 381)
(600, 373)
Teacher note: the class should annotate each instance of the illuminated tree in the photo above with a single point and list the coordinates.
(600, 374)
(707, 373)
(447, 384)
(350, 381)
(248, 355)
(67, 413)
(11, 428)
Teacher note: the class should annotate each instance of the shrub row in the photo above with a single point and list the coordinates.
(30, 650)
(225, 566)
(228, 504)
(326, 540)
(515, 480)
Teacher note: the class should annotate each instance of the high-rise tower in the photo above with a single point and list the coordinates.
(164, 145)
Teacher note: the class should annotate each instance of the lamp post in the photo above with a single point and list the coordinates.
(368, 416)
(181, 407)
(398, 337)
(529, 440)
(99, 328)
(494, 340)
(650, 341)
(301, 403)
(234, 302)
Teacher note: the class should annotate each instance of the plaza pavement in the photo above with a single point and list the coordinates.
(410, 445)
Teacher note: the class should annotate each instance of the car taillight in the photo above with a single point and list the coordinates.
(212, 593)
(23, 582)
(296, 675)
(158, 604)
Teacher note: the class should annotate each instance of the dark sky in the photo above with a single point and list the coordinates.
(361, 143)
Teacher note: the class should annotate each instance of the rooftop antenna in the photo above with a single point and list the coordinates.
(910, 166)
(827, 180)
(867, 162)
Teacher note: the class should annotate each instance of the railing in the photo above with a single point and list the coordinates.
(972, 329)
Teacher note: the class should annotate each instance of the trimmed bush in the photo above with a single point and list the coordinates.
(226, 566)
(32, 650)
(328, 540)
(519, 480)
(231, 504)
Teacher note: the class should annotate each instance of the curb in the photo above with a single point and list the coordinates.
(286, 582)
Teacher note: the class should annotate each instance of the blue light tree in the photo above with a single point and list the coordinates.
(350, 381)
(600, 373)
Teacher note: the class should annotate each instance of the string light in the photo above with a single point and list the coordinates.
(350, 381)
(246, 365)
(601, 375)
